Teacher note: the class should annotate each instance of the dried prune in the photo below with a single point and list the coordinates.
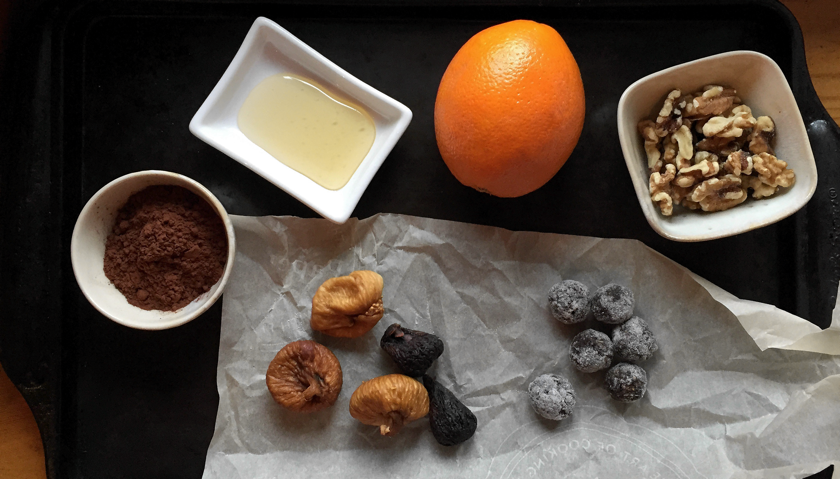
(552, 396)
(413, 351)
(633, 341)
(612, 304)
(591, 351)
(569, 301)
(452, 422)
(626, 382)
(304, 376)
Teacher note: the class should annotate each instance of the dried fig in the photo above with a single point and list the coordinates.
(348, 306)
(413, 351)
(389, 402)
(452, 422)
(304, 376)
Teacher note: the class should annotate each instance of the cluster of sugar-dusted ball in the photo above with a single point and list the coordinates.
(630, 342)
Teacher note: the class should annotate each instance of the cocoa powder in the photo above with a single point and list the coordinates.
(168, 247)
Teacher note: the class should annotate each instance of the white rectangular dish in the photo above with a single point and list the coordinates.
(268, 50)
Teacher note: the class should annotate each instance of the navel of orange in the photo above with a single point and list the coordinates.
(510, 108)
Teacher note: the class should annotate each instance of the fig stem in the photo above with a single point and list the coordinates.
(315, 387)
(393, 424)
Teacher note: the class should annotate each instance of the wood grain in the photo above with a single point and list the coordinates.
(820, 22)
(21, 453)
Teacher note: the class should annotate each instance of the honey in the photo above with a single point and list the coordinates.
(306, 128)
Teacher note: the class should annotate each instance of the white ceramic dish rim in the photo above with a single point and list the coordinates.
(206, 300)
(335, 205)
(641, 187)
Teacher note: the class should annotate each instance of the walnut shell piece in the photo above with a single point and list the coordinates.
(389, 402)
(304, 376)
(348, 306)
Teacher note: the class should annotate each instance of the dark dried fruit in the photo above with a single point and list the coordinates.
(413, 351)
(304, 376)
(452, 423)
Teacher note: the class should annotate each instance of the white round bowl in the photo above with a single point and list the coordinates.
(87, 252)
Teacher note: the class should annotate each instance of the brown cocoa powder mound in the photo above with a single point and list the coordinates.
(168, 247)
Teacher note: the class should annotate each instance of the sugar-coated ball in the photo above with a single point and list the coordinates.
(591, 351)
(552, 396)
(633, 341)
(626, 382)
(612, 304)
(569, 301)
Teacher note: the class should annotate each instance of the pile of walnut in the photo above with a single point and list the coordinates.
(706, 151)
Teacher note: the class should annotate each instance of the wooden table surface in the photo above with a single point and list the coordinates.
(21, 454)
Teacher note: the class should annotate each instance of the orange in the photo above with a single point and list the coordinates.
(510, 108)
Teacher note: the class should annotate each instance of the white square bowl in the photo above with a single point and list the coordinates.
(267, 50)
(762, 86)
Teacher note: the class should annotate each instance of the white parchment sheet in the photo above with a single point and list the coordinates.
(737, 389)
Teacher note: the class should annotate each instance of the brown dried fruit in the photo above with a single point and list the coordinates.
(304, 376)
(348, 306)
(389, 402)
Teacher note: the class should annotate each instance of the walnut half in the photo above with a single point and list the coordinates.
(348, 306)
(660, 189)
(773, 171)
(718, 194)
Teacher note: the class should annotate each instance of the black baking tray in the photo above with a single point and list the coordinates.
(92, 90)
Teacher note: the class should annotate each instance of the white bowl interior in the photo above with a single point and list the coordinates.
(762, 86)
(87, 252)
(268, 50)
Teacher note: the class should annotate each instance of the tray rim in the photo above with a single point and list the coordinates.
(53, 22)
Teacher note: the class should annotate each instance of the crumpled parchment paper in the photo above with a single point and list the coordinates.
(737, 388)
